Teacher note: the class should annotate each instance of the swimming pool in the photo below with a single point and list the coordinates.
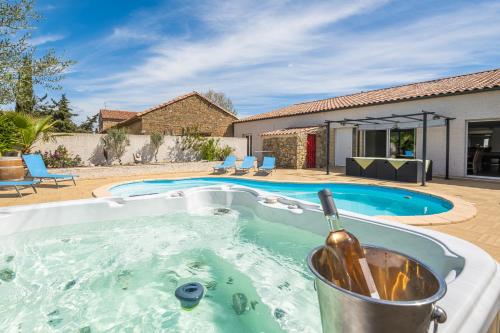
(369, 200)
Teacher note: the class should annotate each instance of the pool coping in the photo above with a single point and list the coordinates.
(462, 210)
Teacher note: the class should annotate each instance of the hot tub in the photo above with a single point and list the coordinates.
(114, 263)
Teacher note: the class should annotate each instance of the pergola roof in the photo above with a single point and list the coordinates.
(394, 120)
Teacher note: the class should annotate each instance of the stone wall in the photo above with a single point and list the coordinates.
(105, 124)
(321, 148)
(90, 149)
(193, 112)
(291, 150)
(284, 148)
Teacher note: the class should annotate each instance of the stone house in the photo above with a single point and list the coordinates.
(190, 111)
(296, 148)
(109, 118)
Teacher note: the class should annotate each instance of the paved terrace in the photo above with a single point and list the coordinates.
(482, 230)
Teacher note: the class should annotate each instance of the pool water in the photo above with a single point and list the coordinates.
(364, 199)
(120, 276)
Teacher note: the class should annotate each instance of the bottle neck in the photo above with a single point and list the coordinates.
(334, 222)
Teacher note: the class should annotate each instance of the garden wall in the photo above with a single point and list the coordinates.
(90, 149)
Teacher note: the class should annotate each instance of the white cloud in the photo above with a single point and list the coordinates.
(44, 39)
(258, 53)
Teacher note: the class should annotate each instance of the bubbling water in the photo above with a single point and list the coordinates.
(121, 275)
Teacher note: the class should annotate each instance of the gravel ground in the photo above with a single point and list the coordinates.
(135, 170)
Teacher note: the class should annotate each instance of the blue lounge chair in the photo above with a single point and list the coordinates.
(20, 185)
(246, 165)
(408, 153)
(228, 163)
(38, 170)
(268, 165)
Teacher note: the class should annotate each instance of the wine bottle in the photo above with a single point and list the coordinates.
(342, 260)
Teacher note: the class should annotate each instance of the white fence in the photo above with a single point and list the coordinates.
(89, 147)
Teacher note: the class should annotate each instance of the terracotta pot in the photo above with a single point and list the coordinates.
(11, 168)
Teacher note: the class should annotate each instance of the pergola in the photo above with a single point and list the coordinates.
(411, 120)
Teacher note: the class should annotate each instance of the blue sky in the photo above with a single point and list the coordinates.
(132, 55)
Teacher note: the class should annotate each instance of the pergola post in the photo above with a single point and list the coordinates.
(447, 174)
(327, 147)
(424, 148)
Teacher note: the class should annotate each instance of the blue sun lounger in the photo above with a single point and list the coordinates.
(268, 164)
(38, 170)
(228, 163)
(20, 185)
(246, 165)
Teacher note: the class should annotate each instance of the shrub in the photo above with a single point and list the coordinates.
(210, 150)
(115, 142)
(225, 152)
(156, 139)
(9, 135)
(61, 158)
(205, 148)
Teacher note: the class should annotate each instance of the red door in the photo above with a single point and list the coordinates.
(311, 150)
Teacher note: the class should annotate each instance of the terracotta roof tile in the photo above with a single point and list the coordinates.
(452, 85)
(116, 114)
(290, 131)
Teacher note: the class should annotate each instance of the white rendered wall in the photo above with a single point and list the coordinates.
(89, 147)
(468, 107)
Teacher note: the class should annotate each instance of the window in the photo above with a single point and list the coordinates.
(403, 143)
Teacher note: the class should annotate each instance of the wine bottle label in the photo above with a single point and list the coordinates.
(369, 278)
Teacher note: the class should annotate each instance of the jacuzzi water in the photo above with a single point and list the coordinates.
(364, 199)
(120, 276)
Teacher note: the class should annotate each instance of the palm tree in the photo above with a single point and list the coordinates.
(32, 129)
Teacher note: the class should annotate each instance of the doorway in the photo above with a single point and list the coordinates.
(343, 145)
(311, 151)
(483, 148)
(376, 143)
(249, 144)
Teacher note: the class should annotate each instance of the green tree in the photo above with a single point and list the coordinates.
(24, 94)
(17, 19)
(89, 124)
(220, 99)
(156, 140)
(62, 114)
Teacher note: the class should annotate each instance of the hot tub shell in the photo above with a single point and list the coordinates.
(472, 301)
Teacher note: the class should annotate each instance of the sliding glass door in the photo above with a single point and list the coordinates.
(483, 149)
(403, 143)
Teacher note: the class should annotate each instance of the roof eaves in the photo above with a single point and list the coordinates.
(397, 100)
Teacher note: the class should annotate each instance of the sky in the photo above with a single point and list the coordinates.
(132, 55)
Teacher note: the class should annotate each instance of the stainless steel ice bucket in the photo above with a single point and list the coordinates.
(408, 290)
